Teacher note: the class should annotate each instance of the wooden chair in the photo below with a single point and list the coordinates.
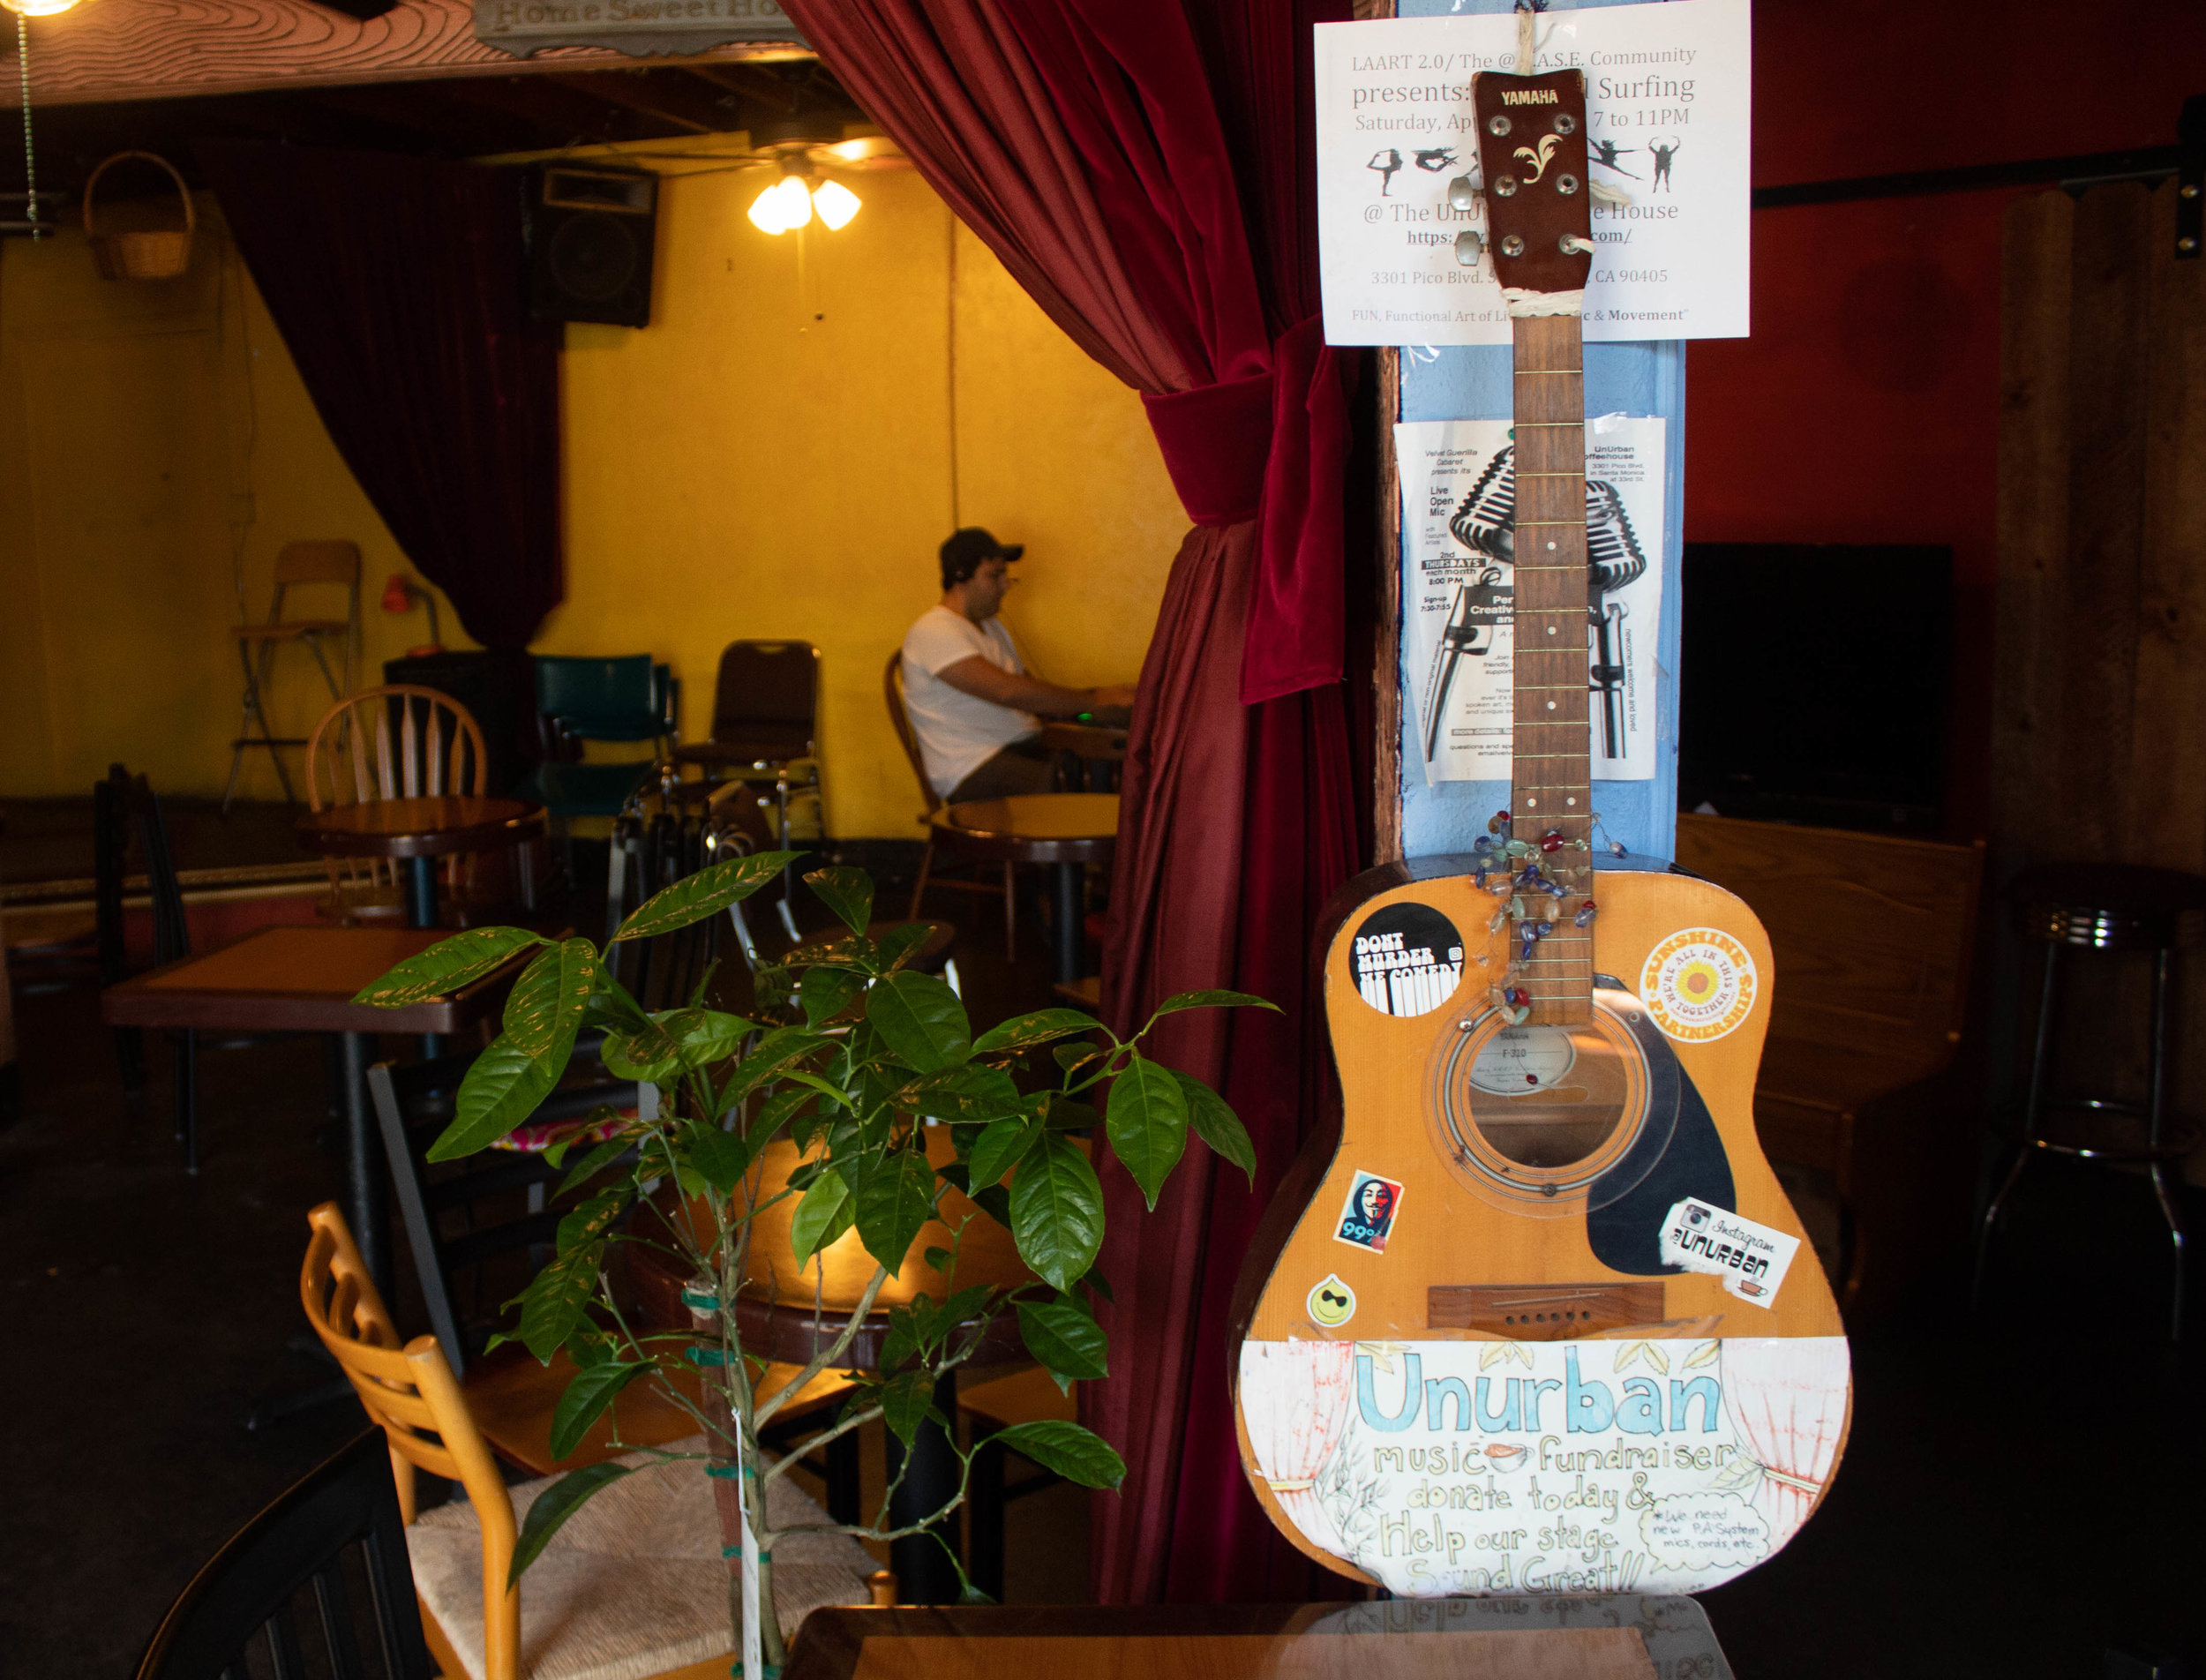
(1874, 938)
(765, 722)
(892, 687)
(398, 742)
(634, 1584)
(251, 1594)
(297, 564)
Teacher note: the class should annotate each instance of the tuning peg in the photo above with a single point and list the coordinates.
(1461, 194)
(1469, 248)
(1573, 245)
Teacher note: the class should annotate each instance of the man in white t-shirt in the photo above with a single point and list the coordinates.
(973, 707)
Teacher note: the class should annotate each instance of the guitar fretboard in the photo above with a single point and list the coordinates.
(1551, 761)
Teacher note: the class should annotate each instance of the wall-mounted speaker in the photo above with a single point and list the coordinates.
(590, 232)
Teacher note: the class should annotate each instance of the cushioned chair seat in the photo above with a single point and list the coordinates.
(633, 1584)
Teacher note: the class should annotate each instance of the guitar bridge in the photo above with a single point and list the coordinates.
(1541, 1312)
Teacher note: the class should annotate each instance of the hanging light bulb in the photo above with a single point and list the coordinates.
(37, 8)
(835, 203)
(766, 211)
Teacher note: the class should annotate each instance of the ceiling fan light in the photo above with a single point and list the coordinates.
(37, 8)
(791, 201)
(767, 212)
(835, 203)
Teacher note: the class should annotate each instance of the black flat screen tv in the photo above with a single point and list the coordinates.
(1812, 683)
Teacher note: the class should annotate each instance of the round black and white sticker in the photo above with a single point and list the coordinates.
(1406, 959)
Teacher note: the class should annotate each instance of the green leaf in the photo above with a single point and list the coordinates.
(592, 1163)
(1065, 1115)
(894, 1201)
(1038, 1028)
(905, 1402)
(849, 893)
(1076, 1454)
(1097, 1281)
(1063, 1337)
(908, 1333)
(1214, 1000)
(826, 992)
(447, 966)
(1056, 1211)
(553, 1303)
(920, 1020)
(895, 948)
(1071, 1056)
(1147, 1121)
(706, 893)
(782, 1048)
(708, 1035)
(554, 1505)
(823, 1215)
(544, 1011)
(502, 1088)
(587, 1397)
(1217, 1125)
(966, 1093)
(592, 1220)
(1000, 1148)
(649, 1053)
(719, 1157)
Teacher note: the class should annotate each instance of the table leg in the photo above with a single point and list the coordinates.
(925, 1574)
(1071, 919)
(421, 892)
(365, 1206)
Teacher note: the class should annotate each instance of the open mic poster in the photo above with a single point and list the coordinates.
(1459, 527)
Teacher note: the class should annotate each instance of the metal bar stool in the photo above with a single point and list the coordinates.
(2105, 908)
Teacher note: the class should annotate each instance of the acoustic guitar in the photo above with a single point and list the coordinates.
(1541, 1319)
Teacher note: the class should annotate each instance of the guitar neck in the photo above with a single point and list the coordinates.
(1550, 771)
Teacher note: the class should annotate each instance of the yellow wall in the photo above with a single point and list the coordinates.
(772, 457)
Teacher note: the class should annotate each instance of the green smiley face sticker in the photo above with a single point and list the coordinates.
(1331, 1303)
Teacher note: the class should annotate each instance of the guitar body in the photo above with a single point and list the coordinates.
(1472, 1369)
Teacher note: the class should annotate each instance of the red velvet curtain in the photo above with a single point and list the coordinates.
(397, 285)
(1142, 167)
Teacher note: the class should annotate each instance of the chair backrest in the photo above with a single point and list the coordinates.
(767, 698)
(119, 803)
(325, 561)
(657, 843)
(892, 685)
(624, 699)
(411, 1394)
(412, 1106)
(400, 741)
(252, 1589)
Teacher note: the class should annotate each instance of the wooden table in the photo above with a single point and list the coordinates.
(776, 1317)
(1067, 831)
(1088, 744)
(302, 980)
(1624, 1637)
(419, 831)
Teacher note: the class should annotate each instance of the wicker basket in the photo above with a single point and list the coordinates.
(161, 253)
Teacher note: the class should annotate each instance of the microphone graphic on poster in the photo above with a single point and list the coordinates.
(1485, 522)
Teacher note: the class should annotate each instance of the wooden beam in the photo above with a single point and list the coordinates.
(141, 49)
(683, 106)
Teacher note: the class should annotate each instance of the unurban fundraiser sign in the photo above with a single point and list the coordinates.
(1667, 93)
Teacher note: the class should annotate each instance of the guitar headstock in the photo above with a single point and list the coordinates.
(1539, 202)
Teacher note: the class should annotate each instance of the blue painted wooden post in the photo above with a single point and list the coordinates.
(1474, 383)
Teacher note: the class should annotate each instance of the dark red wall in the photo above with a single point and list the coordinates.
(1865, 408)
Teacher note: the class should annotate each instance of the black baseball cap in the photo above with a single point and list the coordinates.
(965, 548)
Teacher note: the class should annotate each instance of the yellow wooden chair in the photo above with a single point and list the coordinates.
(633, 1585)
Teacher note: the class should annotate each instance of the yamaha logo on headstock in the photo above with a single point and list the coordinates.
(1531, 151)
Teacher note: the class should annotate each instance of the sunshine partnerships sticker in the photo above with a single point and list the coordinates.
(1699, 985)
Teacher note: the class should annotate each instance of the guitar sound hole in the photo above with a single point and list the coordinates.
(1575, 1090)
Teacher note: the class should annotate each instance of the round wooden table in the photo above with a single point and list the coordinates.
(419, 831)
(1086, 753)
(1067, 831)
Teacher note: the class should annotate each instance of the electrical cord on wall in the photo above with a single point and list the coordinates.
(956, 521)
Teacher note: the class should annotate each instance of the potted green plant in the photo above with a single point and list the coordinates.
(859, 1062)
